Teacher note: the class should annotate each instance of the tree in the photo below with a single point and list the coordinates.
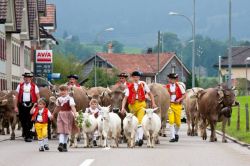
(171, 43)
(66, 65)
(104, 78)
(117, 46)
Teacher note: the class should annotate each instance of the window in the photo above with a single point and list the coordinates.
(2, 48)
(173, 65)
(3, 84)
(15, 54)
(148, 80)
(27, 58)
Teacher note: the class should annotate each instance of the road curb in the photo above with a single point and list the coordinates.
(234, 140)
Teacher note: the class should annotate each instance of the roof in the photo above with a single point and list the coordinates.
(19, 5)
(3, 11)
(41, 6)
(50, 18)
(146, 63)
(239, 55)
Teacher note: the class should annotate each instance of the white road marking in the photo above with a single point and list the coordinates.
(87, 162)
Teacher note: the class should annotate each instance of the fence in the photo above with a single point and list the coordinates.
(247, 117)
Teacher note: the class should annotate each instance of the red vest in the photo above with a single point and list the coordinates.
(132, 93)
(177, 91)
(65, 106)
(44, 115)
(32, 93)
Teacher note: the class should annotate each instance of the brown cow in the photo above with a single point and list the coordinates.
(215, 105)
(8, 114)
(162, 100)
(190, 105)
(101, 94)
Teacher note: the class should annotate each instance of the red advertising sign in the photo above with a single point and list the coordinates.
(44, 56)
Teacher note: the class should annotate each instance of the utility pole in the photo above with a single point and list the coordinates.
(230, 46)
(193, 56)
(158, 56)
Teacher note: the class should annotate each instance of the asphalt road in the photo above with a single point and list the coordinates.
(189, 151)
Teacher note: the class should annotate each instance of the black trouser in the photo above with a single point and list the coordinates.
(25, 119)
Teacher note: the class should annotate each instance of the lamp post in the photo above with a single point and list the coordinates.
(246, 60)
(230, 46)
(193, 35)
(96, 39)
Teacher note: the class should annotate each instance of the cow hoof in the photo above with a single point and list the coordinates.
(196, 134)
(224, 141)
(189, 132)
(164, 135)
(212, 140)
(2, 133)
(215, 139)
(157, 142)
(12, 137)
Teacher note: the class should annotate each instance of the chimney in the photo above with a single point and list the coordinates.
(110, 48)
(149, 51)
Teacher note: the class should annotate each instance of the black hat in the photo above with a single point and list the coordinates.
(173, 75)
(123, 75)
(136, 73)
(26, 74)
(73, 76)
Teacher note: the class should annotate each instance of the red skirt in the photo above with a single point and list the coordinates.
(66, 123)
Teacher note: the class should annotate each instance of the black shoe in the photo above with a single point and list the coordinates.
(172, 140)
(136, 143)
(94, 143)
(28, 140)
(60, 147)
(41, 149)
(140, 143)
(65, 148)
(176, 138)
(46, 147)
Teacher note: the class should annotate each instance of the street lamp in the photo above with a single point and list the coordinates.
(246, 60)
(230, 46)
(193, 34)
(97, 36)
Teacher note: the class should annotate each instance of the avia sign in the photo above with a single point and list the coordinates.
(44, 56)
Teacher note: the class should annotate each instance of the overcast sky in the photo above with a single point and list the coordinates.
(136, 22)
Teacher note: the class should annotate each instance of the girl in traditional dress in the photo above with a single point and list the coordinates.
(65, 106)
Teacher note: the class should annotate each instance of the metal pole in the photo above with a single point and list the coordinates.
(247, 117)
(162, 42)
(238, 118)
(193, 56)
(219, 73)
(95, 71)
(230, 46)
(158, 57)
(246, 78)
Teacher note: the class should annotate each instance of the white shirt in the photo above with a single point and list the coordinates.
(146, 88)
(92, 111)
(40, 115)
(64, 99)
(26, 91)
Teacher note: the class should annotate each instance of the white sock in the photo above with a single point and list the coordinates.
(40, 143)
(176, 130)
(172, 131)
(61, 138)
(66, 136)
(46, 141)
(140, 133)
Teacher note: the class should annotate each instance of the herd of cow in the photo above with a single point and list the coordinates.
(203, 107)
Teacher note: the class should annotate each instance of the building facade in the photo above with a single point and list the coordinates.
(20, 36)
(145, 63)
